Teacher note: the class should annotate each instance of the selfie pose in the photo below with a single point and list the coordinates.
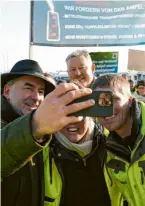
(125, 162)
(32, 109)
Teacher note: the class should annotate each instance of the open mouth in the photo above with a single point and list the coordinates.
(80, 79)
(110, 117)
(32, 106)
(73, 129)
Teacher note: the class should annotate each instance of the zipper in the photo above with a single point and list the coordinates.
(130, 186)
(142, 177)
(129, 148)
(109, 176)
(84, 161)
(63, 183)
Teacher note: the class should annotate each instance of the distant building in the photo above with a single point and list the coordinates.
(136, 60)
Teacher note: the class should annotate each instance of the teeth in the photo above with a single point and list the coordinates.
(72, 129)
(110, 117)
(33, 106)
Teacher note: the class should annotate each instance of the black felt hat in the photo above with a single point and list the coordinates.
(27, 67)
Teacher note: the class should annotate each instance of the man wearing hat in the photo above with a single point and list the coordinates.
(28, 120)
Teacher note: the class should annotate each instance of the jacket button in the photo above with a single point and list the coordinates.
(77, 160)
(59, 154)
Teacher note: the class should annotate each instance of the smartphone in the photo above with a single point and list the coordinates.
(103, 105)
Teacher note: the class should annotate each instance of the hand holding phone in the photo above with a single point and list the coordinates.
(103, 105)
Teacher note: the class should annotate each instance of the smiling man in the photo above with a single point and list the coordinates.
(80, 67)
(78, 152)
(125, 162)
(23, 89)
(25, 93)
(75, 132)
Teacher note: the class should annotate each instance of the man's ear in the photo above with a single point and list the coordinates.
(6, 91)
(93, 67)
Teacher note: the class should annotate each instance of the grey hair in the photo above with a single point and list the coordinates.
(11, 82)
(79, 53)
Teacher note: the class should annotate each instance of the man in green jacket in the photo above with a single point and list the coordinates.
(73, 167)
(28, 121)
(125, 163)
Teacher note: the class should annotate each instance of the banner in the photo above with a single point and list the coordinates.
(88, 23)
(105, 62)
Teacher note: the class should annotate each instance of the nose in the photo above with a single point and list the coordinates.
(35, 95)
(78, 73)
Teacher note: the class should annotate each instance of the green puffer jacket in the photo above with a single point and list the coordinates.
(125, 165)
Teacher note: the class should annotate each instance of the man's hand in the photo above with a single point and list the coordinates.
(51, 115)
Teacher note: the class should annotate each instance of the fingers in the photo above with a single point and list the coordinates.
(75, 81)
(72, 95)
(52, 114)
(64, 88)
(79, 106)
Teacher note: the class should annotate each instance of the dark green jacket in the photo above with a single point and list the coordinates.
(18, 171)
(83, 183)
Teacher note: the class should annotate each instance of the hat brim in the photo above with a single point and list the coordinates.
(6, 77)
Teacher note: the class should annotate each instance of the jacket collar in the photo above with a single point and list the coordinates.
(8, 114)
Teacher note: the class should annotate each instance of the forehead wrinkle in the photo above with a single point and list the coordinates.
(33, 85)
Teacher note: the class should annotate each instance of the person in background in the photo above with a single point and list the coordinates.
(140, 93)
(98, 75)
(32, 110)
(125, 144)
(80, 67)
(132, 86)
(125, 76)
(59, 81)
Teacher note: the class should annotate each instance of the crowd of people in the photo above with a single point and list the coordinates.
(49, 158)
(138, 90)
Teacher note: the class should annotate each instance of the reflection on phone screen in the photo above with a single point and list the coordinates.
(105, 99)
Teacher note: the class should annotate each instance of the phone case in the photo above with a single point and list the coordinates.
(99, 109)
